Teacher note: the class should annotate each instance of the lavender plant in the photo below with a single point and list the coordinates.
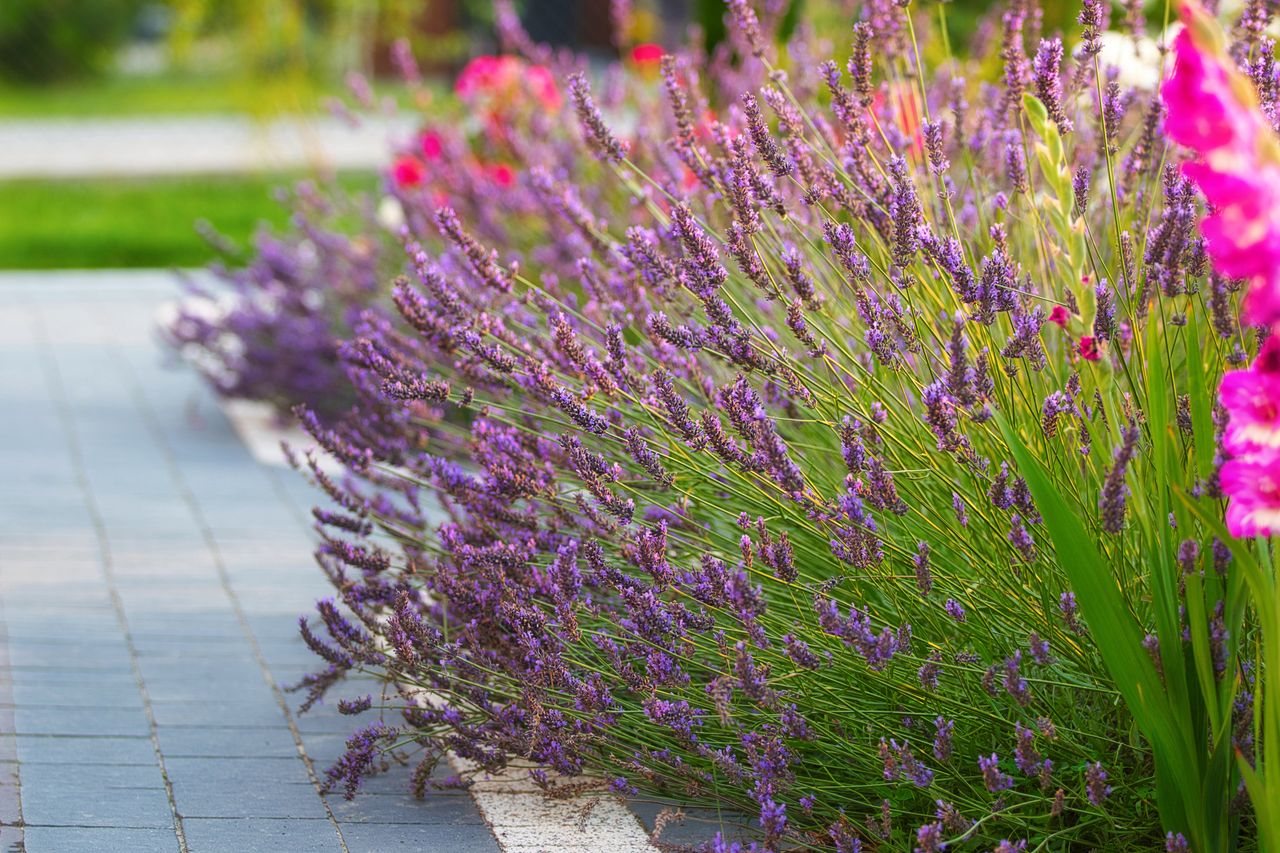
(848, 458)
(269, 330)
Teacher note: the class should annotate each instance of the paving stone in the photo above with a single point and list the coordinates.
(91, 795)
(447, 807)
(222, 742)
(119, 722)
(243, 787)
(689, 826)
(419, 838)
(11, 840)
(57, 839)
(78, 749)
(37, 694)
(219, 835)
(10, 807)
(238, 714)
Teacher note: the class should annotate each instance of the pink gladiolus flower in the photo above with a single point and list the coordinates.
(1205, 112)
(408, 171)
(1060, 316)
(1213, 111)
(1243, 234)
(1252, 399)
(1253, 482)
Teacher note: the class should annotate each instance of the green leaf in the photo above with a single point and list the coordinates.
(1036, 111)
(1201, 409)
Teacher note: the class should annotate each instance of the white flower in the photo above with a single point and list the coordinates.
(390, 213)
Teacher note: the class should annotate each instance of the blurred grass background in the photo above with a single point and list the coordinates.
(151, 222)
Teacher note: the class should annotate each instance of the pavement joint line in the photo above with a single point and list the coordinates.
(53, 375)
(211, 543)
(14, 791)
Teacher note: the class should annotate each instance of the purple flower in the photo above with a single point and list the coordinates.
(601, 140)
(1049, 82)
(1095, 784)
(995, 780)
(942, 747)
(1006, 846)
(924, 578)
(929, 838)
(1111, 502)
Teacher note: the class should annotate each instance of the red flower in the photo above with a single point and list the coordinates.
(501, 174)
(1089, 348)
(1059, 316)
(647, 55)
(408, 171)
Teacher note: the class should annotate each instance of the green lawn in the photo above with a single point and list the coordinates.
(117, 96)
(134, 222)
(177, 94)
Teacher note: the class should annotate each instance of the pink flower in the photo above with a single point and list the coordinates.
(647, 55)
(1060, 316)
(1253, 482)
(542, 84)
(1205, 111)
(504, 82)
(408, 171)
(432, 146)
(1213, 111)
(1089, 348)
(903, 105)
(1243, 233)
(501, 174)
(479, 75)
(1252, 399)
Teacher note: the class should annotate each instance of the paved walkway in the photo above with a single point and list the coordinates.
(75, 148)
(151, 576)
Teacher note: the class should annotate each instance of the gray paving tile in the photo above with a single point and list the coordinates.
(78, 749)
(56, 839)
(222, 742)
(438, 807)
(158, 671)
(91, 795)
(38, 694)
(232, 714)
(218, 835)
(420, 838)
(243, 787)
(11, 839)
(119, 722)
